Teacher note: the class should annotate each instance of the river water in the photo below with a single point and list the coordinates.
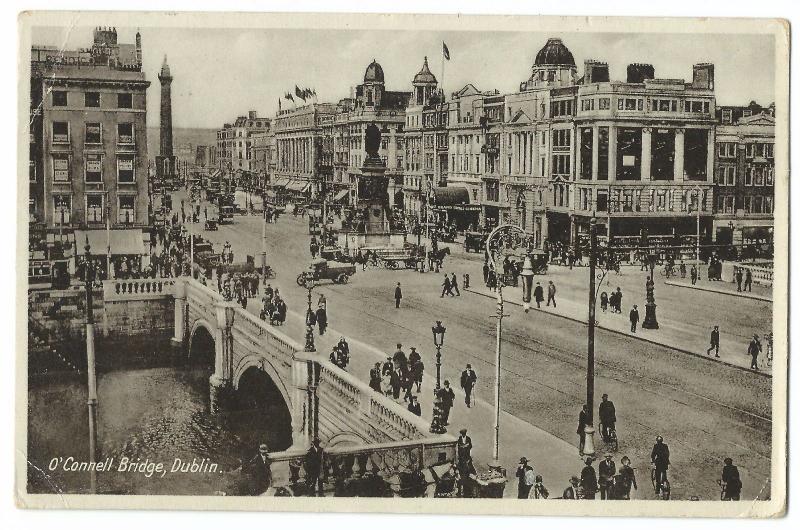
(149, 415)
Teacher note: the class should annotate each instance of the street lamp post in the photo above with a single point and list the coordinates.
(527, 279)
(90, 369)
(437, 424)
(697, 243)
(588, 446)
(650, 321)
(310, 348)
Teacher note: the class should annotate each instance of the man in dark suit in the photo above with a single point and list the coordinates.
(589, 480)
(634, 316)
(468, 379)
(413, 406)
(608, 416)
(606, 469)
(660, 459)
(538, 295)
(398, 295)
(259, 470)
(447, 396)
(714, 342)
(375, 378)
(313, 465)
(464, 446)
(396, 382)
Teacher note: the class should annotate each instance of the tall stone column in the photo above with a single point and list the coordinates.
(678, 171)
(646, 152)
(710, 157)
(180, 312)
(305, 401)
(595, 151)
(612, 153)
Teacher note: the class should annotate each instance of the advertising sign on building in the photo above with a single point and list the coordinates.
(93, 163)
(60, 169)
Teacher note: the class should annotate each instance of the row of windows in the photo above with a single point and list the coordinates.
(752, 150)
(93, 133)
(753, 176)
(95, 210)
(93, 168)
(749, 203)
(60, 98)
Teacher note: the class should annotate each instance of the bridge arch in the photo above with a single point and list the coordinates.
(200, 336)
(260, 362)
(345, 439)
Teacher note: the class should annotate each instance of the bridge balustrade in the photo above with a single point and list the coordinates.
(393, 469)
(138, 289)
(761, 274)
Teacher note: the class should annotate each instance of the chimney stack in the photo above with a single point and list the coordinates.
(595, 72)
(252, 114)
(703, 76)
(638, 72)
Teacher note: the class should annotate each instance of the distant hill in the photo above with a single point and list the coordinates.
(181, 137)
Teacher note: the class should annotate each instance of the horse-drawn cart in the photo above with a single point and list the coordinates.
(408, 256)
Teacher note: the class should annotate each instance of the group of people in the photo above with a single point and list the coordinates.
(450, 284)
(613, 301)
(273, 306)
(227, 253)
(399, 374)
(340, 354)
(318, 317)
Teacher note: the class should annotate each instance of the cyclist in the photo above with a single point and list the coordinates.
(730, 481)
(660, 459)
(608, 417)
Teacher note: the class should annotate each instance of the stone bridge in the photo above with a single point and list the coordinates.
(323, 400)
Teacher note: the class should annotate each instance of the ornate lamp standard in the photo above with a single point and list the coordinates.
(90, 364)
(437, 426)
(527, 282)
(309, 285)
(650, 321)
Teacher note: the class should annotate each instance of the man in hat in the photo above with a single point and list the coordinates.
(583, 416)
(753, 350)
(413, 406)
(627, 479)
(571, 492)
(731, 481)
(398, 295)
(468, 379)
(464, 445)
(606, 469)
(714, 342)
(659, 456)
(313, 466)
(634, 317)
(589, 480)
(447, 396)
(260, 471)
(608, 417)
(375, 378)
(526, 478)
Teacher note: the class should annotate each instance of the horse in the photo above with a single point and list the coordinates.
(438, 255)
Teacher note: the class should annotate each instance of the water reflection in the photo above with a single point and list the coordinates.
(151, 415)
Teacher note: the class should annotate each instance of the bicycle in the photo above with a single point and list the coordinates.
(610, 439)
(662, 490)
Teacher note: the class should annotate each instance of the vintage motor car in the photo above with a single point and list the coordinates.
(322, 269)
(474, 241)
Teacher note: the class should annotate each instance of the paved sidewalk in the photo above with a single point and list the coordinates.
(759, 292)
(672, 334)
(551, 457)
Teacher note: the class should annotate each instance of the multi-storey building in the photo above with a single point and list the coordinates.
(416, 182)
(298, 141)
(744, 175)
(263, 152)
(234, 143)
(88, 137)
(344, 184)
(372, 103)
(206, 156)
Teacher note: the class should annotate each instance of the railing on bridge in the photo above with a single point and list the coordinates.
(138, 289)
(394, 469)
(761, 274)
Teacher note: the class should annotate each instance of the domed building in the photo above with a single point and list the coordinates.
(554, 66)
(424, 84)
(373, 84)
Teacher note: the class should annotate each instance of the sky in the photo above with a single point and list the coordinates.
(222, 73)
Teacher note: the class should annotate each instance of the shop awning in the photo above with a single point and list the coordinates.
(123, 242)
(450, 196)
(278, 182)
(298, 185)
(341, 195)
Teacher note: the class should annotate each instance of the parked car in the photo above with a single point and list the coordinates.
(474, 241)
(322, 269)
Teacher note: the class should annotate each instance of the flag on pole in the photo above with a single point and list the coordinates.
(299, 93)
(279, 104)
(445, 51)
(289, 97)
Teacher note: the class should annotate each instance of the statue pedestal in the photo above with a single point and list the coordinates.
(650, 321)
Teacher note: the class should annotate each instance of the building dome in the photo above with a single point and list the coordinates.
(374, 73)
(424, 76)
(554, 53)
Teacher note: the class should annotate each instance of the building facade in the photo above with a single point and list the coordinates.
(235, 145)
(88, 136)
(744, 169)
